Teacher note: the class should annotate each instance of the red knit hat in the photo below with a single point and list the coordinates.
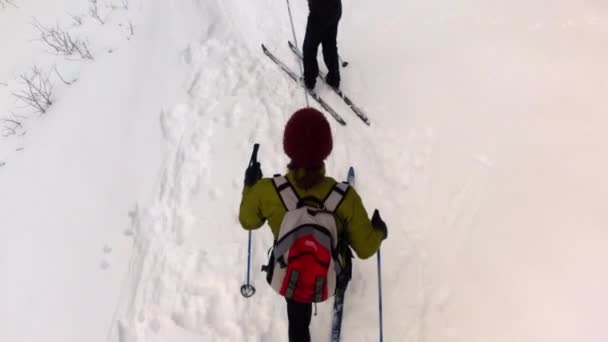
(307, 139)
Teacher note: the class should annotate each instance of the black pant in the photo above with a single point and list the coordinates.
(299, 316)
(322, 28)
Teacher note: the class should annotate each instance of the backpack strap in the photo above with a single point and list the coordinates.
(344, 255)
(286, 192)
(336, 197)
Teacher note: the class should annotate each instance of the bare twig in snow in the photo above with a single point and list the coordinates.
(84, 52)
(10, 127)
(77, 19)
(131, 28)
(62, 42)
(63, 79)
(38, 92)
(94, 11)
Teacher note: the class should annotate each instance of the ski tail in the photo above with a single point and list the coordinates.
(294, 76)
(358, 111)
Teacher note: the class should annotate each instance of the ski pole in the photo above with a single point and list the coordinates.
(380, 292)
(295, 41)
(247, 290)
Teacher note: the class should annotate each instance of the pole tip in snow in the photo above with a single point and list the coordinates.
(247, 291)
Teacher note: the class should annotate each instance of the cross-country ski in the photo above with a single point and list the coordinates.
(358, 111)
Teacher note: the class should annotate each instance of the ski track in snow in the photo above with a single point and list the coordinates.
(179, 286)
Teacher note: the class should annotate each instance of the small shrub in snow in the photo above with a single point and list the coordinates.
(124, 5)
(62, 42)
(4, 3)
(37, 92)
(11, 125)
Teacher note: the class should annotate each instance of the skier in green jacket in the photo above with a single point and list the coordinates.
(308, 142)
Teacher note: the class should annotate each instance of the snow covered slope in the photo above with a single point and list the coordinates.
(66, 194)
(485, 157)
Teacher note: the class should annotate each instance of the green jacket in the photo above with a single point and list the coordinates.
(261, 202)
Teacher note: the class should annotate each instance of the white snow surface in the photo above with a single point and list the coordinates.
(486, 157)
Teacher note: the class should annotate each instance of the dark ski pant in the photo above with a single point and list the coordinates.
(322, 28)
(299, 316)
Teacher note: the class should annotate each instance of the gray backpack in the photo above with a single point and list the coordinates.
(305, 261)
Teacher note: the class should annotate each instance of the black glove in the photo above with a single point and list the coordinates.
(253, 174)
(378, 224)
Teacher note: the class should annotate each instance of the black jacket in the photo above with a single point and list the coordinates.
(325, 8)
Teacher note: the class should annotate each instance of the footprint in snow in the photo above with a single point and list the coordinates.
(215, 194)
(484, 160)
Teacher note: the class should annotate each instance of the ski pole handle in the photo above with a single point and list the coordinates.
(254, 154)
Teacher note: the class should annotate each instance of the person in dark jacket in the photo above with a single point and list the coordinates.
(322, 28)
(308, 142)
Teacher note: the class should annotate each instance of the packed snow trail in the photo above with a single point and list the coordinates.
(190, 253)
